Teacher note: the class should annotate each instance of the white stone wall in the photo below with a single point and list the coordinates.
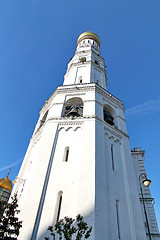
(89, 184)
(96, 182)
(90, 70)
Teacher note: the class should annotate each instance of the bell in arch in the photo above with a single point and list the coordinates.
(108, 118)
(73, 112)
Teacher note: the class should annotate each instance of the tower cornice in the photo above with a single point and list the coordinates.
(80, 88)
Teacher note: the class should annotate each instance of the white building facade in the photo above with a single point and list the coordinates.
(79, 159)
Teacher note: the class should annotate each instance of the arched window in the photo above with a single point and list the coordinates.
(83, 59)
(96, 62)
(58, 207)
(117, 216)
(73, 107)
(43, 119)
(66, 154)
(80, 79)
(108, 115)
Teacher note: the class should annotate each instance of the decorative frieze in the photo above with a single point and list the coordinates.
(112, 134)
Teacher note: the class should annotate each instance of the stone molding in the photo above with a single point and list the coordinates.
(80, 89)
(94, 100)
(114, 128)
(57, 103)
(67, 128)
(149, 199)
(74, 94)
(69, 123)
(112, 133)
(117, 116)
(74, 64)
(37, 135)
(68, 119)
(108, 97)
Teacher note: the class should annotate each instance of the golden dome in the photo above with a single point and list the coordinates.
(6, 183)
(90, 35)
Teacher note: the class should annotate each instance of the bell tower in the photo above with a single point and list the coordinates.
(79, 159)
(87, 65)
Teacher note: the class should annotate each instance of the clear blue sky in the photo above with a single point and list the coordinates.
(38, 38)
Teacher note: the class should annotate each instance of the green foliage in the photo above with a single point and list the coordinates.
(68, 228)
(9, 224)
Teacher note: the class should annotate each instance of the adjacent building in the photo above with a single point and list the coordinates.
(5, 191)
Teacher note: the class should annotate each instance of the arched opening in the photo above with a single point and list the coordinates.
(108, 114)
(66, 154)
(80, 79)
(58, 207)
(96, 62)
(42, 121)
(74, 107)
(83, 59)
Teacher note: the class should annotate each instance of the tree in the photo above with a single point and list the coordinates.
(68, 228)
(9, 223)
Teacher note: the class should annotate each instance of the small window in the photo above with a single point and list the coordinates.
(88, 41)
(83, 59)
(112, 157)
(83, 41)
(80, 79)
(93, 42)
(58, 206)
(66, 154)
(96, 62)
(59, 209)
(117, 216)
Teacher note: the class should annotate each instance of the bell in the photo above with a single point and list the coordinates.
(108, 118)
(73, 112)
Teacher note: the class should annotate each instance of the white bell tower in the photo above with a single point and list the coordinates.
(79, 159)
